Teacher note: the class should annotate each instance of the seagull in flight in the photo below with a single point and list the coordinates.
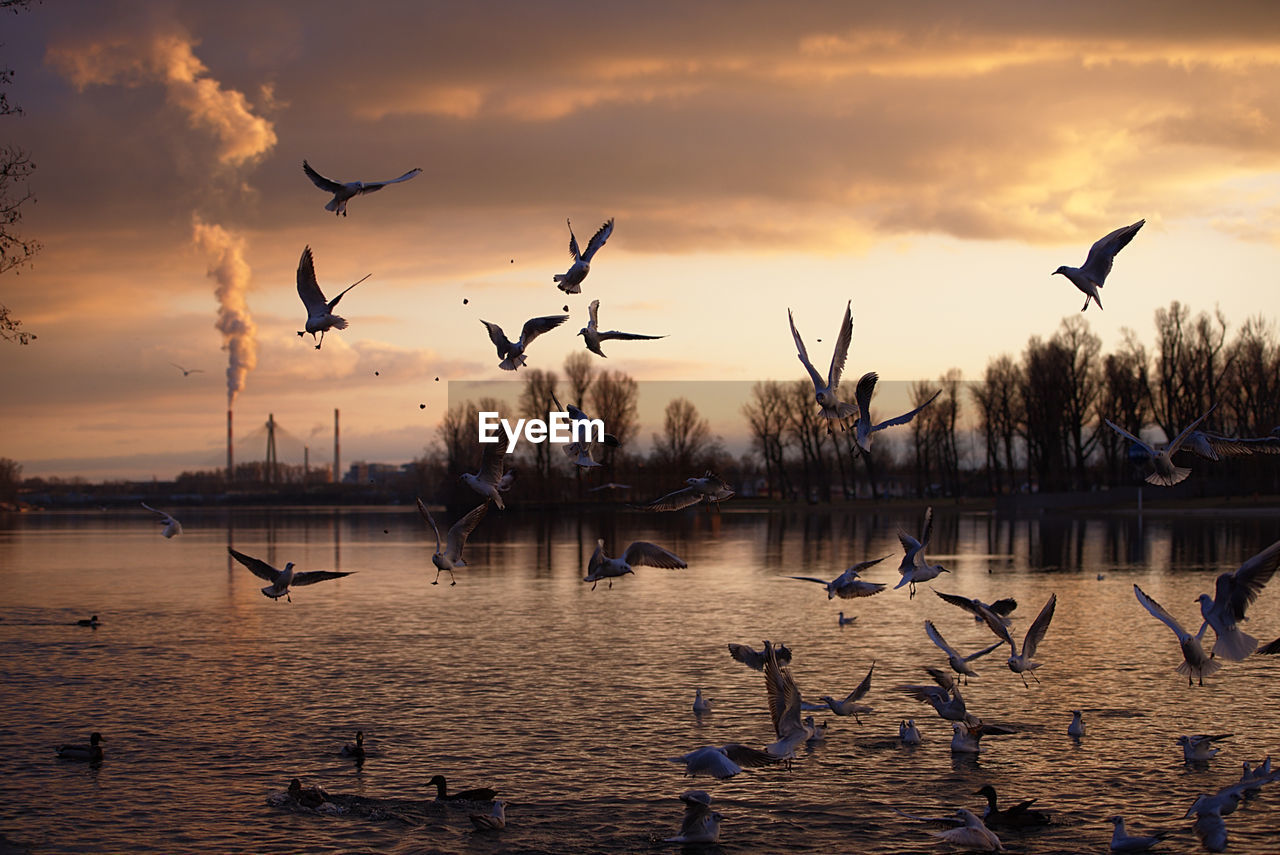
(914, 568)
(848, 585)
(755, 659)
(784, 708)
(710, 490)
(512, 352)
(639, 554)
(282, 580)
(826, 391)
(1194, 661)
(1091, 276)
(592, 336)
(579, 453)
(701, 824)
(723, 761)
(320, 315)
(1164, 473)
(343, 193)
(451, 556)
(1232, 594)
(1020, 663)
(570, 282)
(849, 705)
(187, 372)
(864, 427)
(490, 481)
(1001, 608)
(171, 526)
(958, 661)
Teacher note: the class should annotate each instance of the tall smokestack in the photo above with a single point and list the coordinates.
(337, 468)
(230, 463)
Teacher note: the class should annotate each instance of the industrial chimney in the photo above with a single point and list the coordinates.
(337, 468)
(230, 463)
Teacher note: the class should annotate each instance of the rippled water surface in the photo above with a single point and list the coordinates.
(567, 700)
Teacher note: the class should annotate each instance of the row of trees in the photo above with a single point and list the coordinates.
(15, 167)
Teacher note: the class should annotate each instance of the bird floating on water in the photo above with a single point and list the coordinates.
(826, 391)
(908, 733)
(171, 525)
(89, 621)
(974, 834)
(1199, 747)
(1020, 815)
(592, 336)
(496, 820)
(450, 556)
(1076, 729)
(512, 352)
(91, 752)
(476, 794)
(1093, 273)
(1123, 842)
(345, 192)
(355, 749)
(570, 281)
(320, 316)
(701, 704)
(282, 580)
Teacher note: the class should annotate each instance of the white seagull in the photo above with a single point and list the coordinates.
(755, 660)
(579, 453)
(958, 661)
(1123, 842)
(1091, 276)
(451, 555)
(343, 193)
(864, 427)
(974, 834)
(1199, 748)
(491, 481)
(495, 820)
(1195, 663)
(784, 708)
(320, 316)
(1232, 594)
(914, 568)
(1020, 663)
(592, 336)
(826, 392)
(1001, 608)
(908, 733)
(570, 282)
(171, 526)
(850, 705)
(1076, 729)
(723, 761)
(512, 352)
(1164, 473)
(282, 580)
(710, 489)
(639, 554)
(967, 736)
(945, 698)
(848, 585)
(701, 824)
(701, 704)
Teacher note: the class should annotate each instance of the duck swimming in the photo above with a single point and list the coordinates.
(1018, 816)
(355, 749)
(91, 752)
(477, 794)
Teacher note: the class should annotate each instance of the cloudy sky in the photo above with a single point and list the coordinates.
(931, 162)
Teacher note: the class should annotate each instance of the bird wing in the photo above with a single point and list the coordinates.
(742, 653)
(371, 186)
(647, 554)
(426, 515)
(748, 757)
(1124, 433)
(597, 558)
(573, 243)
(258, 567)
(863, 565)
(936, 638)
(863, 687)
(335, 300)
(909, 543)
(997, 625)
(963, 602)
(862, 394)
(327, 184)
(308, 287)
(462, 529)
(1003, 606)
(1039, 627)
(598, 239)
(842, 347)
(1182, 437)
(804, 354)
(927, 531)
(155, 511)
(810, 579)
(312, 576)
(535, 327)
(498, 337)
(593, 314)
(784, 697)
(1236, 590)
(614, 335)
(905, 417)
(1098, 263)
(491, 463)
(983, 652)
(674, 501)
(1158, 611)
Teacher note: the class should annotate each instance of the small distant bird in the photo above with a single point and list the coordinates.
(1162, 470)
(1091, 276)
(841, 620)
(709, 490)
(320, 316)
(1233, 592)
(592, 336)
(826, 391)
(450, 556)
(1195, 663)
(187, 372)
(908, 733)
(171, 526)
(752, 659)
(1076, 729)
(848, 585)
(850, 705)
(1020, 662)
(1122, 842)
(701, 824)
(355, 749)
(723, 761)
(1199, 748)
(639, 554)
(343, 193)
(512, 352)
(700, 704)
(89, 621)
(865, 428)
(974, 834)
(914, 568)
(494, 821)
(958, 661)
(478, 794)
(570, 282)
(1020, 815)
(91, 752)
(282, 580)
(491, 481)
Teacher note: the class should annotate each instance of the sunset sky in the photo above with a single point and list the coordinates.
(931, 162)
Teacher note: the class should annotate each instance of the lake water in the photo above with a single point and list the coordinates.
(567, 700)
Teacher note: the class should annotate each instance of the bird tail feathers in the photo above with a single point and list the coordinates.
(1178, 475)
(1187, 670)
(1235, 645)
(339, 323)
(567, 287)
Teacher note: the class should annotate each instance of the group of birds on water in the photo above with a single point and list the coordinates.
(793, 719)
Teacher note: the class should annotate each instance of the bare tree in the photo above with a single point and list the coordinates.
(15, 167)
(1000, 413)
(1080, 349)
(766, 413)
(1125, 399)
(685, 436)
(579, 370)
(10, 480)
(613, 399)
(536, 401)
